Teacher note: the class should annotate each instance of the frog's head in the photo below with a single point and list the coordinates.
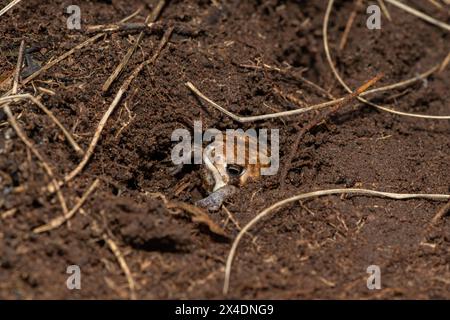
(221, 170)
(223, 174)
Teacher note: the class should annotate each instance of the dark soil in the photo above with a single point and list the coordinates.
(316, 249)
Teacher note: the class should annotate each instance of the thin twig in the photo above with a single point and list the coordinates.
(153, 28)
(8, 213)
(123, 264)
(290, 97)
(150, 19)
(110, 110)
(436, 4)
(419, 14)
(347, 88)
(267, 211)
(60, 58)
(60, 220)
(9, 6)
(445, 63)
(16, 78)
(349, 24)
(118, 27)
(441, 213)
(232, 218)
(385, 9)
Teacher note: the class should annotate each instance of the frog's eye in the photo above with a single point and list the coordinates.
(234, 170)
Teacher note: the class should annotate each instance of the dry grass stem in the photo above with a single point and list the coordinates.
(9, 6)
(419, 14)
(385, 9)
(22, 135)
(8, 213)
(445, 63)
(441, 213)
(349, 24)
(245, 119)
(436, 4)
(123, 264)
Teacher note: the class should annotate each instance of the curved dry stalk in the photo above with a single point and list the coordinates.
(419, 14)
(267, 211)
(244, 119)
(123, 264)
(66, 133)
(349, 90)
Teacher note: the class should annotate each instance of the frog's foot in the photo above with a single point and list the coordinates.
(214, 201)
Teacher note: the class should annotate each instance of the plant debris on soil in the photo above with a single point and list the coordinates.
(319, 248)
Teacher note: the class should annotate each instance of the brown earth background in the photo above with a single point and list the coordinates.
(318, 248)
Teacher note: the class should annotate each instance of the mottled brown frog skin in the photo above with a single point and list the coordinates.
(222, 179)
